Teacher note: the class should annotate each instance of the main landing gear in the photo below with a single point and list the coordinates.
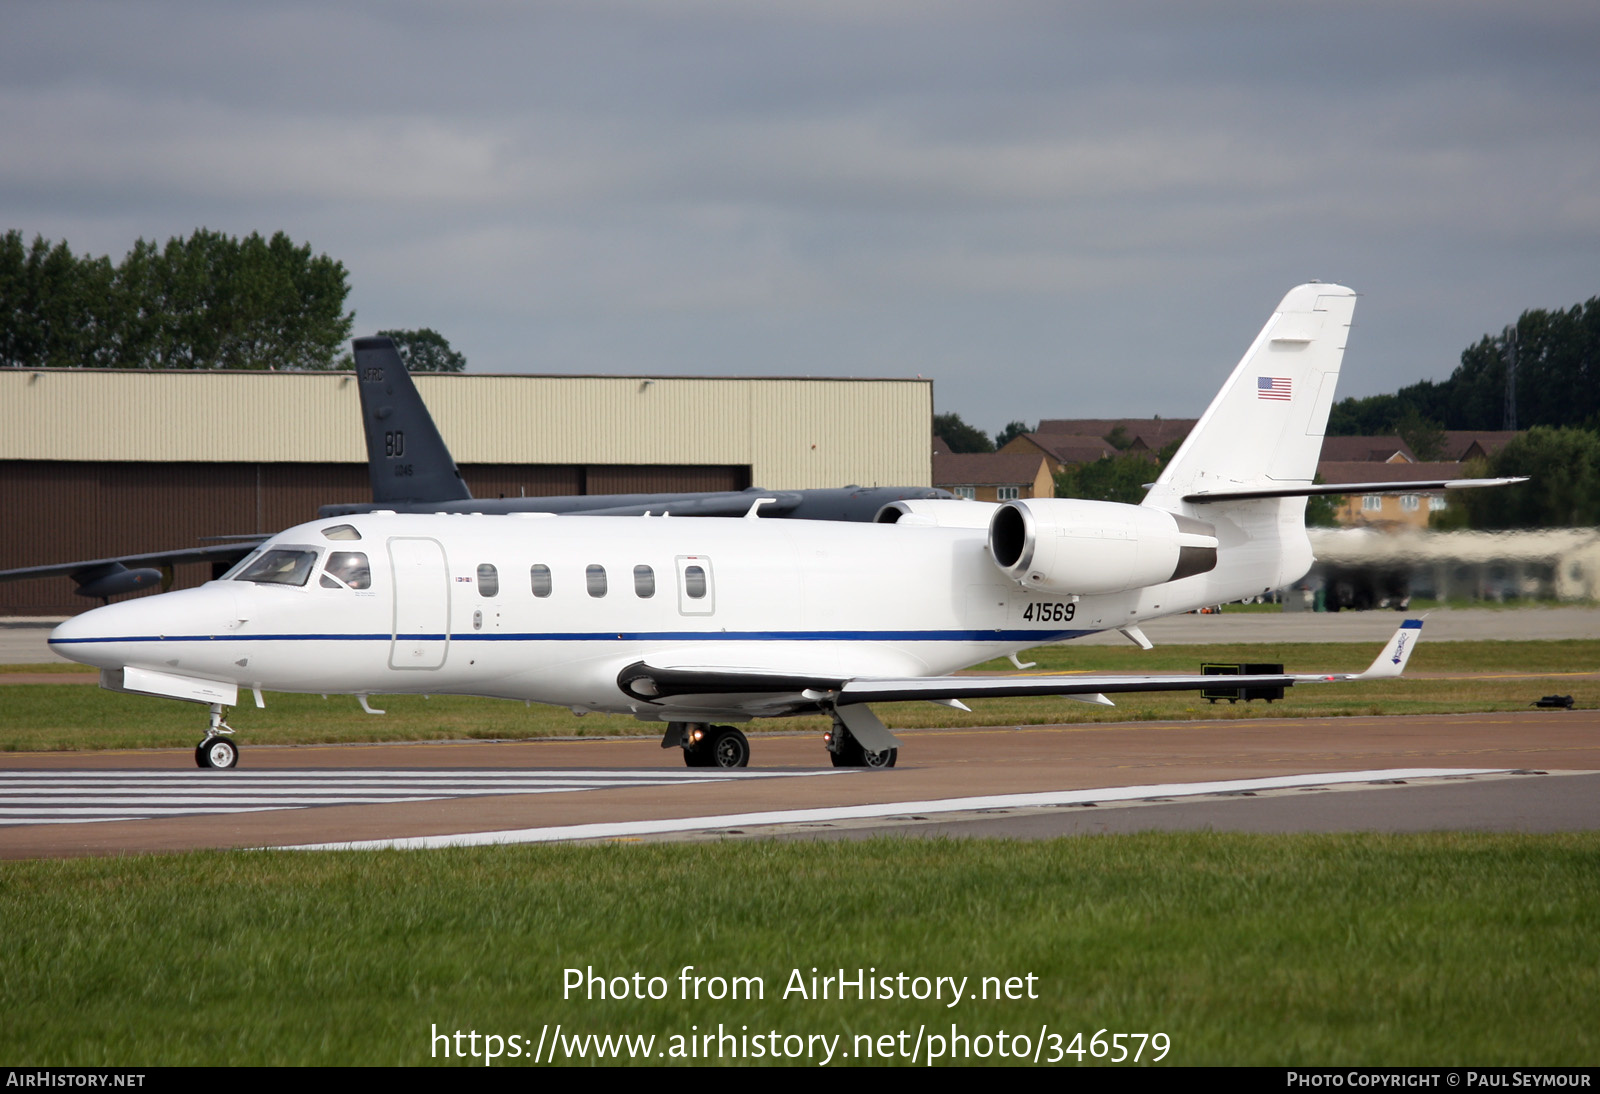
(846, 751)
(217, 750)
(708, 746)
(723, 746)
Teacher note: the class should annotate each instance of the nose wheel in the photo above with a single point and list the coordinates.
(217, 750)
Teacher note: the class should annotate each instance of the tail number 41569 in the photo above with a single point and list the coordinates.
(1049, 612)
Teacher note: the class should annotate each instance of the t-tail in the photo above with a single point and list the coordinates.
(1250, 461)
(406, 457)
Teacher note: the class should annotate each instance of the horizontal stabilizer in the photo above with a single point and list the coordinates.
(1322, 489)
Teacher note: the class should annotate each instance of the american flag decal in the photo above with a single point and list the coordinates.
(1274, 387)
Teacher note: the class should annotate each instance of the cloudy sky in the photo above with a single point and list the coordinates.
(1052, 209)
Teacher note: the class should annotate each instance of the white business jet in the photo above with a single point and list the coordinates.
(698, 623)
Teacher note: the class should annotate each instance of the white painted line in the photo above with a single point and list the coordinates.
(38, 797)
(64, 820)
(145, 790)
(388, 773)
(95, 813)
(887, 809)
(352, 794)
(225, 801)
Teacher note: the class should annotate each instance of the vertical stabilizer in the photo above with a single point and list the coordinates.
(1265, 426)
(406, 457)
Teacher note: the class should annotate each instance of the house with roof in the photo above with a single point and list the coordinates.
(992, 476)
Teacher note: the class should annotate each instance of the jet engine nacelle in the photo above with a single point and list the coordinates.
(937, 513)
(1063, 545)
(113, 579)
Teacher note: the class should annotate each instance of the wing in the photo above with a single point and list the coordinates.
(759, 693)
(128, 573)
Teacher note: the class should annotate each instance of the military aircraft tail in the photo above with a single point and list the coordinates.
(1249, 464)
(406, 457)
(1264, 429)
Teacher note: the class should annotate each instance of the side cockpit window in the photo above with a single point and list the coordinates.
(347, 569)
(279, 566)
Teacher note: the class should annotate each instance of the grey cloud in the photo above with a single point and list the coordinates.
(1052, 208)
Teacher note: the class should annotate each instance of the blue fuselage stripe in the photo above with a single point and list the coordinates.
(1036, 636)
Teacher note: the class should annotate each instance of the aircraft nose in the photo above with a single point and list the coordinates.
(82, 638)
(134, 631)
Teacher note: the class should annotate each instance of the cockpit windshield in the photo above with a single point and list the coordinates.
(242, 564)
(279, 566)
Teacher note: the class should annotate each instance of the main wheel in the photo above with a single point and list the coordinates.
(886, 758)
(851, 754)
(217, 752)
(729, 748)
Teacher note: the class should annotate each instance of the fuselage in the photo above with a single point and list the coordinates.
(551, 609)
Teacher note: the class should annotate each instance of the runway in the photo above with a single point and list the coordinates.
(1455, 772)
(84, 797)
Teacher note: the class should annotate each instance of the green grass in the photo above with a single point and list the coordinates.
(1356, 949)
(78, 716)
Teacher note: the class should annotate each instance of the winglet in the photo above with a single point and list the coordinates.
(1392, 661)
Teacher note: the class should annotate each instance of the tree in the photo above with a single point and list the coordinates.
(1010, 433)
(1322, 511)
(1115, 478)
(1558, 381)
(1425, 436)
(56, 310)
(208, 301)
(1563, 467)
(426, 350)
(960, 436)
(1110, 478)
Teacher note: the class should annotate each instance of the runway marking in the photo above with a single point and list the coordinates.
(77, 797)
(629, 829)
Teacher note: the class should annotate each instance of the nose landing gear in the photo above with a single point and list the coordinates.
(217, 750)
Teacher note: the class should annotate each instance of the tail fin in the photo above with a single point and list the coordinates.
(406, 458)
(1265, 426)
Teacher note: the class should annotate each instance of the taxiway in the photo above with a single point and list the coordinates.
(1455, 771)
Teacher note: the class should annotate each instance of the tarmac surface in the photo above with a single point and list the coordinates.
(1413, 773)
